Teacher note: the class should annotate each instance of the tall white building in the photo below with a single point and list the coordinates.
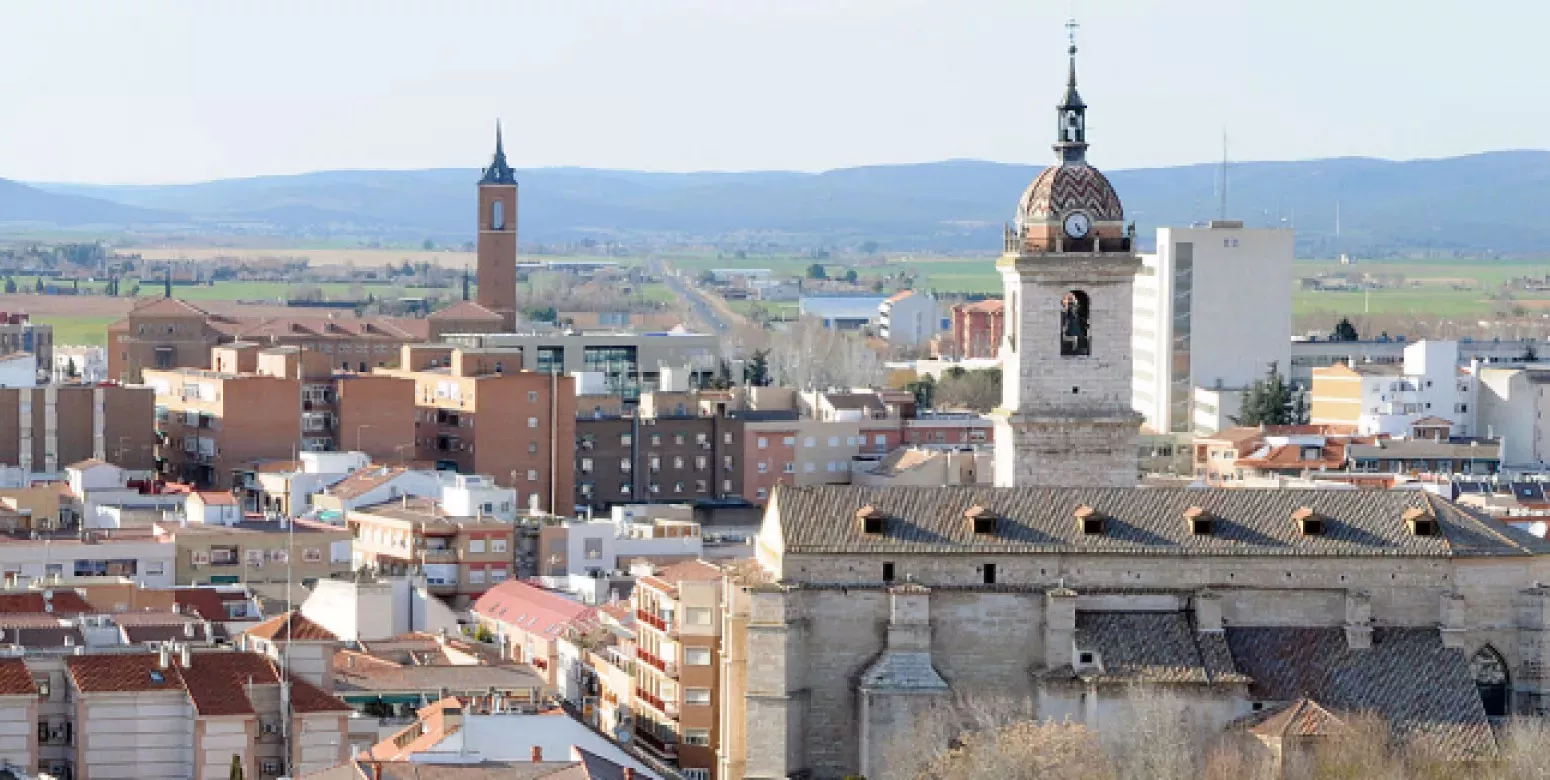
(909, 319)
(1213, 309)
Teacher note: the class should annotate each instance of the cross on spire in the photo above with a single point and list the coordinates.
(1071, 122)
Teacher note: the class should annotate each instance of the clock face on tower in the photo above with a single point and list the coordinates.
(1077, 224)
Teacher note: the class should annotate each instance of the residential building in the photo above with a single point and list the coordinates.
(101, 495)
(44, 428)
(255, 553)
(1417, 456)
(284, 488)
(1218, 459)
(484, 737)
(1512, 403)
(677, 669)
(975, 331)
(1310, 352)
(374, 484)
(305, 648)
(132, 553)
(1217, 409)
(927, 467)
(177, 714)
(948, 429)
(404, 671)
(631, 363)
(478, 412)
(19, 369)
(529, 623)
(593, 560)
(689, 451)
(363, 609)
(1213, 308)
(1387, 399)
(87, 365)
(909, 319)
(460, 556)
(18, 333)
(842, 312)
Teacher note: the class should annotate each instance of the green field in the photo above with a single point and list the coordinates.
(79, 331)
(235, 291)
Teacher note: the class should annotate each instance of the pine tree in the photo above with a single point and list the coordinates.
(1272, 401)
(1344, 331)
(236, 767)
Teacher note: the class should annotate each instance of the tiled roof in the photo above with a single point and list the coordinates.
(482, 770)
(122, 673)
(364, 481)
(1300, 718)
(1422, 689)
(1154, 647)
(1432, 421)
(64, 602)
(988, 306)
(15, 679)
(204, 602)
(142, 634)
(217, 682)
(167, 307)
(291, 626)
(532, 609)
(1427, 449)
(465, 310)
(381, 676)
(668, 577)
(306, 697)
(216, 498)
(1137, 521)
(903, 671)
(89, 463)
(45, 636)
(1290, 456)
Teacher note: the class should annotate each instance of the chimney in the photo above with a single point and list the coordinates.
(188, 629)
(186, 655)
(164, 655)
(538, 754)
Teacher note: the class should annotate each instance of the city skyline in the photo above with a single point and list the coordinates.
(164, 94)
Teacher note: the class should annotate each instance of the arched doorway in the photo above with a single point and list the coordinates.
(1490, 674)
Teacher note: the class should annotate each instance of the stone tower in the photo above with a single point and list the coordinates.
(498, 237)
(1068, 269)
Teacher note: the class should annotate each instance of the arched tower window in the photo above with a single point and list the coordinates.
(1075, 333)
(498, 215)
(1490, 673)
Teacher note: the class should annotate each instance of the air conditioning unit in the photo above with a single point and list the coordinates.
(271, 728)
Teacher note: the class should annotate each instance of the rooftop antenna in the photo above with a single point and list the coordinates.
(1223, 190)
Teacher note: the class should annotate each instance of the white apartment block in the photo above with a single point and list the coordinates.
(1388, 399)
(909, 319)
(1213, 308)
(1512, 405)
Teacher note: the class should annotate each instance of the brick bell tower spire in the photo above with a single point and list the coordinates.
(497, 245)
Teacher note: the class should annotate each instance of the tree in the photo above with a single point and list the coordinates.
(37, 285)
(723, 378)
(979, 390)
(816, 271)
(428, 245)
(877, 285)
(71, 370)
(869, 247)
(705, 278)
(236, 767)
(1272, 401)
(851, 276)
(10, 286)
(924, 390)
(756, 371)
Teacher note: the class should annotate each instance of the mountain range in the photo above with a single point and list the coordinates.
(1480, 204)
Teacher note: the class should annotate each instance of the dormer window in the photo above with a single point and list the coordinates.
(1092, 522)
(1201, 521)
(1421, 522)
(1309, 522)
(873, 521)
(982, 520)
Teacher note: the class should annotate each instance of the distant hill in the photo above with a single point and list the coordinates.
(20, 203)
(1476, 204)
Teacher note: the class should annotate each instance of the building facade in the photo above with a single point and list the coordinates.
(975, 331)
(44, 429)
(909, 319)
(1212, 309)
(652, 455)
(677, 674)
(1388, 399)
(460, 556)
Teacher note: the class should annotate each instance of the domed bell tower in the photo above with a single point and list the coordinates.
(1068, 270)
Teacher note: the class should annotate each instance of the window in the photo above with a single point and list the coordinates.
(678, 461)
(761, 493)
(498, 545)
(763, 443)
(701, 463)
(697, 737)
(696, 696)
(888, 571)
(809, 467)
(696, 656)
(625, 440)
(155, 568)
(532, 475)
(476, 545)
(45, 684)
(990, 573)
(476, 576)
(586, 465)
(834, 441)
(532, 396)
(789, 441)
(764, 468)
(1490, 673)
(789, 468)
(678, 438)
(726, 486)
(726, 438)
(532, 422)
(497, 575)
(271, 766)
(808, 441)
(695, 774)
(1075, 313)
(656, 439)
(701, 486)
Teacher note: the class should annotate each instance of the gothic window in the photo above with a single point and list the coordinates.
(1075, 335)
(498, 215)
(1490, 673)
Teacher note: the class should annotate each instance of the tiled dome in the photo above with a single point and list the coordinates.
(1062, 188)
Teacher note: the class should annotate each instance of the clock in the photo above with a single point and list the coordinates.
(1077, 225)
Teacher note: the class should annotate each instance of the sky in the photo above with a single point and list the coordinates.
(161, 91)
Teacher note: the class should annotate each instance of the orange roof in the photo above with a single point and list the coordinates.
(291, 626)
(204, 602)
(64, 602)
(532, 609)
(167, 307)
(217, 683)
(465, 310)
(15, 679)
(899, 296)
(306, 697)
(216, 498)
(987, 306)
(122, 673)
(669, 577)
(364, 481)
(1431, 422)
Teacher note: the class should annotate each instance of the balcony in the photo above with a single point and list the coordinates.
(651, 620)
(439, 554)
(656, 745)
(656, 662)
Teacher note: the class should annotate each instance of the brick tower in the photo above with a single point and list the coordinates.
(1068, 269)
(498, 237)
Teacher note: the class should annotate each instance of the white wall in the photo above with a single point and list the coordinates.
(367, 611)
(34, 560)
(1240, 321)
(19, 370)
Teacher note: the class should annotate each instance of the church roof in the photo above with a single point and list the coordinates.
(1173, 651)
(1137, 521)
(465, 310)
(1062, 188)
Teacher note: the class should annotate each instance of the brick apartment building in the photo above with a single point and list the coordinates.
(478, 412)
(975, 330)
(267, 404)
(461, 557)
(659, 452)
(44, 429)
(18, 333)
(677, 641)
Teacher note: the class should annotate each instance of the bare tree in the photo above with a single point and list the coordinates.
(810, 356)
(1035, 751)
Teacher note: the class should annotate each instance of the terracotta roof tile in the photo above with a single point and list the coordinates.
(465, 310)
(532, 609)
(364, 481)
(306, 697)
(122, 673)
(63, 602)
(291, 626)
(203, 602)
(216, 498)
(15, 679)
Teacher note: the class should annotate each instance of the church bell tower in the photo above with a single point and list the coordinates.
(1068, 270)
(497, 246)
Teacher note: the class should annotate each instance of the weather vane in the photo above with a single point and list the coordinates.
(1071, 26)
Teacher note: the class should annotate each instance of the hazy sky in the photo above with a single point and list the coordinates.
(150, 91)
